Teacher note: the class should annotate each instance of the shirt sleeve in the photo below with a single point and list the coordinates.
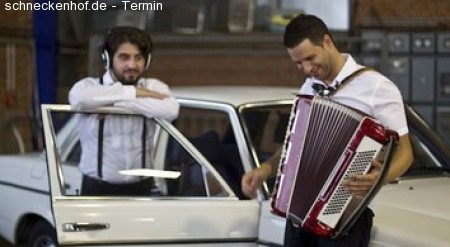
(389, 107)
(89, 94)
(166, 108)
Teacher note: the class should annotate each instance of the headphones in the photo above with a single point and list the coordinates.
(121, 35)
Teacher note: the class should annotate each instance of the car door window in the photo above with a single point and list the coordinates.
(75, 153)
(266, 128)
(177, 174)
(195, 179)
(211, 132)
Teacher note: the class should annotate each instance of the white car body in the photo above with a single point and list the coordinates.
(412, 212)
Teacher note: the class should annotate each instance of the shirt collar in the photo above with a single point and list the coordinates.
(349, 67)
(107, 78)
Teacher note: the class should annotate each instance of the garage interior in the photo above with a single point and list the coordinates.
(219, 42)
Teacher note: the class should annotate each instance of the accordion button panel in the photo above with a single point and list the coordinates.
(340, 199)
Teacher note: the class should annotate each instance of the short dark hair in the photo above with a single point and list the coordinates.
(304, 27)
(119, 35)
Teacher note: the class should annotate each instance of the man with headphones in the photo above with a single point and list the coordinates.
(112, 143)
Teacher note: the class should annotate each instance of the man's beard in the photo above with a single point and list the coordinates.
(124, 80)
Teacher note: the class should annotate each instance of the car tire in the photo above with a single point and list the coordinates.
(42, 235)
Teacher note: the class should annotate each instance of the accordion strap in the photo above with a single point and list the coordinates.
(350, 78)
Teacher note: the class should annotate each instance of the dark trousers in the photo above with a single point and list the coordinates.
(95, 187)
(358, 236)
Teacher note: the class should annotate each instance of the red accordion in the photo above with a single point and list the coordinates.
(325, 143)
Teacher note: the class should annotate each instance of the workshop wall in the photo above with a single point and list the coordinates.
(247, 63)
(16, 79)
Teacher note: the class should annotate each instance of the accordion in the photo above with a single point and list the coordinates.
(325, 143)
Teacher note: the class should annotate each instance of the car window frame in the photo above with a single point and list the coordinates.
(54, 146)
(236, 125)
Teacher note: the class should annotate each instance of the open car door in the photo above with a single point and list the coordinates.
(191, 204)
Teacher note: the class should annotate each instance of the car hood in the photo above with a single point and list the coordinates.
(414, 212)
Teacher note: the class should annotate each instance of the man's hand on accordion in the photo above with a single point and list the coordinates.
(359, 185)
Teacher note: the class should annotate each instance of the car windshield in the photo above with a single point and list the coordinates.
(431, 152)
(266, 127)
(170, 164)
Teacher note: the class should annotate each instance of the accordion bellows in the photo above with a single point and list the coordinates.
(326, 142)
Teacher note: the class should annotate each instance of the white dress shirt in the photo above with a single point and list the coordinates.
(122, 135)
(369, 92)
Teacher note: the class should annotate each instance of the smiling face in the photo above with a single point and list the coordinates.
(128, 64)
(315, 60)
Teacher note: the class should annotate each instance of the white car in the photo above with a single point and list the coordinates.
(197, 199)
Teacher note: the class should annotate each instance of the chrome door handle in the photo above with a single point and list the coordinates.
(81, 227)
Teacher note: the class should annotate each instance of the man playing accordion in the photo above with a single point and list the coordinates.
(312, 48)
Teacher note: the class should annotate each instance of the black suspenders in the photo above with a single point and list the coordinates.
(101, 125)
(144, 134)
